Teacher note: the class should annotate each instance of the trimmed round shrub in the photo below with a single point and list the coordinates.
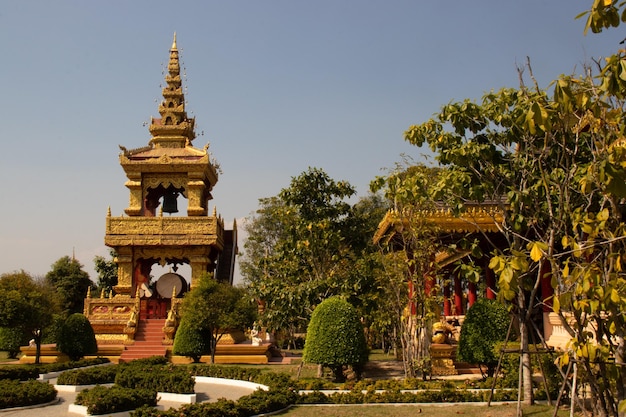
(76, 338)
(335, 337)
(486, 323)
(191, 340)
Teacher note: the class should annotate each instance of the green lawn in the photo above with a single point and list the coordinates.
(4, 357)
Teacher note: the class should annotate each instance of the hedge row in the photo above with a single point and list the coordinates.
(394, 396)
(168, 378)
(229, 372)
(89, 376)
(107, 374)
(259, 402)
(19, 394)
(26, 372)
(103, 400)
(262, 402)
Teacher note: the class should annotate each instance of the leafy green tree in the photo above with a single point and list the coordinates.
(307, 244)
(77, 338)
(604, 14)
(27, 307)
(335, 337)
(71, 284)
(553, 163)
(107, 271)
(485, 324)
(211, 310)
(11, 338)
(407, 267)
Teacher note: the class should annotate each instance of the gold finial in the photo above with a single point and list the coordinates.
(174, 43)
(102, 293)
(109, 211)
(89, 292)
(214, 211)
(174, 292)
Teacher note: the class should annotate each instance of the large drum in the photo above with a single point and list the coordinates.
(168, 282)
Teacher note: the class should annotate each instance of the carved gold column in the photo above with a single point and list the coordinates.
(199, 265)
(135, 203)
(124, 262)
(195, 193)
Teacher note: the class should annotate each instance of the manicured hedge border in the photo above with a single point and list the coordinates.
(88, 376)
(20, 394)
(259, 402)
(103, 400)
(159, 378)
(26, 372)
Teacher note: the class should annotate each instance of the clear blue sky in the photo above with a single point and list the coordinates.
(276, 87)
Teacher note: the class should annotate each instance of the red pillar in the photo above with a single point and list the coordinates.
(546, 287)
(458, 296)
(471, 296)
(447, 306)
(429, 283)
(491, 283)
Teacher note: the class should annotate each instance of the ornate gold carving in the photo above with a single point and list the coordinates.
(442, 359)
(119, 338)
(163, 226)
(172, 321)
(487, 217)
(153, 181)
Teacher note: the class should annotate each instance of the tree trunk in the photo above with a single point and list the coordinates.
(527, 371)
(38, 338)
(620, 358)
(213, 344)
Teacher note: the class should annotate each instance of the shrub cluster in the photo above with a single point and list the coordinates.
(230, 372)
(152, 360)
(545, 362)
(485, 324)
(19, 394)
(160, 378)
(89, 376)
(257, 403)
(20, 372)
(445, 395)
(103, 400)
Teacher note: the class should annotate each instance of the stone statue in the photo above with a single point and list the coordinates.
(254, 335)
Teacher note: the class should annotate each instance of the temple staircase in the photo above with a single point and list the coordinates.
(148, 341)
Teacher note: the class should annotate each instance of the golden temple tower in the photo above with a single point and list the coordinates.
(166, 172)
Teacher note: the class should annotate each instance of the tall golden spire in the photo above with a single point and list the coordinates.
(174, 129)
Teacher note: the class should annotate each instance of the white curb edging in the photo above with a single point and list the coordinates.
(231, 382)
(177, 398)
